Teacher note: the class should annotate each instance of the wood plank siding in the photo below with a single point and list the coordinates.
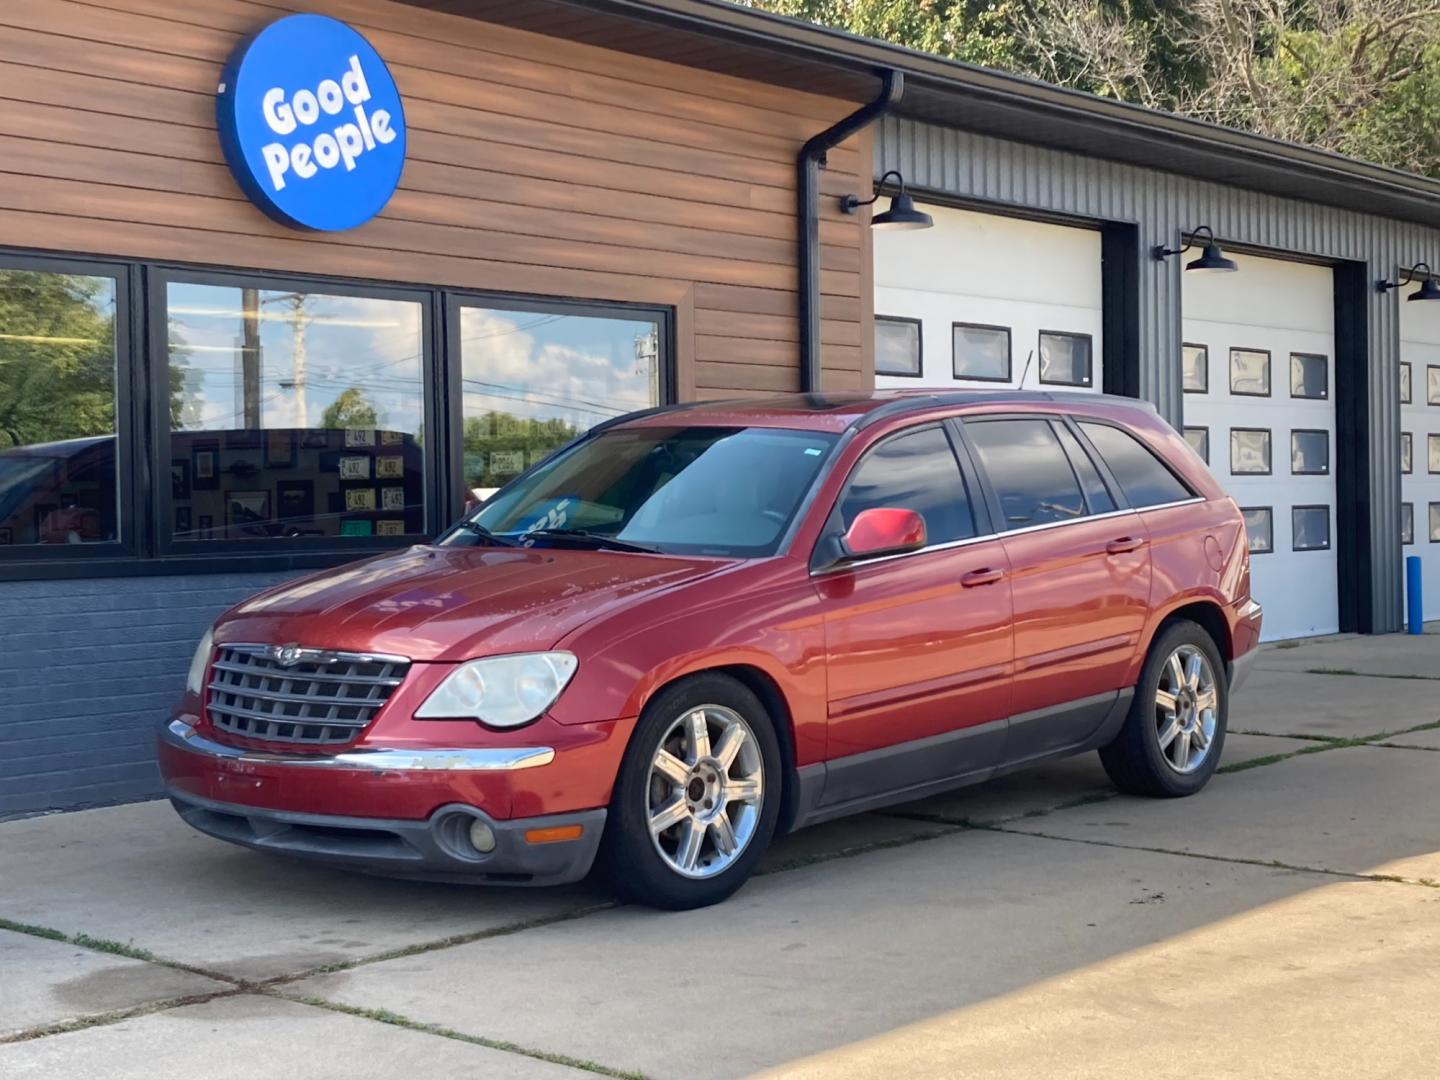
(536, 166)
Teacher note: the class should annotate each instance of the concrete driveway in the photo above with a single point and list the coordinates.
(1285, 922)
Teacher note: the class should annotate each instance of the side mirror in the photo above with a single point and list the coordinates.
(883, 530)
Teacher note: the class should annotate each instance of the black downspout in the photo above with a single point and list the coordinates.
(807, 184)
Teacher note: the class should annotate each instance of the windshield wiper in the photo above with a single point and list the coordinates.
(589, 538)
(485, 534)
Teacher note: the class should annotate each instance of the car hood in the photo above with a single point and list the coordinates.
(453, 603)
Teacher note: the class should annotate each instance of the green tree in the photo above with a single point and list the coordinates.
(350, 410)
(57, 357)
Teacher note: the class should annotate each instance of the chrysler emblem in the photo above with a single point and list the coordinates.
(287, 655)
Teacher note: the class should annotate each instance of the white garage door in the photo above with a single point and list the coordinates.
(1420, 442)
(982, 300)
(1259, 405)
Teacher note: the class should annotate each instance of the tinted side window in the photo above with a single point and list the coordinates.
(1145, 480)
(1029, 469)
(915, 471)
(1096, 494)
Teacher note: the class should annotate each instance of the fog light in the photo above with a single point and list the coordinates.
(482, 837)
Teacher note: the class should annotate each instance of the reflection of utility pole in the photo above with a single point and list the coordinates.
(299, 320)
(250, 357)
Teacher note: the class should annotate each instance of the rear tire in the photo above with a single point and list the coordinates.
(1175, 732)
(692, 811)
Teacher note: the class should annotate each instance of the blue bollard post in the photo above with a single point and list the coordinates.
(1413, 603)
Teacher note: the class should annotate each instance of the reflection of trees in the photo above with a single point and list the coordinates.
(57, 357)
(350, 410)
(502, 432)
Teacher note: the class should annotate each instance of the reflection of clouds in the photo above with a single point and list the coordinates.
(573, 368)
(371, 344)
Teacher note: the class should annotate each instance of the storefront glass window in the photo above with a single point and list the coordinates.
(58, 475)
(294, 414)
(533, 380)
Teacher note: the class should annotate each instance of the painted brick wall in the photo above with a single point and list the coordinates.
(87, 670)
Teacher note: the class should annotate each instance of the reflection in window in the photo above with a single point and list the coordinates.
(897, 346)
(1309, 375)
(1309, 452)
(1407, 523)
(1250, 372)
(294, 414)
(1310, 528)
(1259, 528)
(58, 480)
(916, 471)
(1199, 440)
(1143, 477)
(533, 380)
(1029, 470)
(1406, 394)
(1249, 451)
(981, 352)
(1065, 358)
(1196, 369)
(1407, 452)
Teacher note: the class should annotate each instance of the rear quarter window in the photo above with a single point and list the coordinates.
(1143, 477)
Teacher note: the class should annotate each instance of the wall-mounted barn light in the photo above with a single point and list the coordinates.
(1211, 261)
(902, 213)
(1420, 272)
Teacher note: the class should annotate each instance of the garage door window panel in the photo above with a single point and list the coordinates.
(1250, 451)
(1259, 529)
(1250, 372)
(915, 470)
(1406, 391)
(898, 347)
(1196, 369)
(1309, 452)
(1310, 528)
(1143, 477)
(63, 386)
(1432, 384)
(1029, 471)
(1407, 453)
(1435, 522)
(981, 352)
(1199, 440)
(1432, 453)
(1066, 359)
(1309, 376)
(1407, 523)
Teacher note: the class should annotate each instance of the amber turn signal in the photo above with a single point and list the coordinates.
(554, 834)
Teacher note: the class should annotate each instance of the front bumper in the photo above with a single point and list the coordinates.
(425, 801)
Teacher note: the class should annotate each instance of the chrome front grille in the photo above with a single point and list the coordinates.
(289, 694)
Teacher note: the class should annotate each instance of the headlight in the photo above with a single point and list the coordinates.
(502, 691)
(195, 681)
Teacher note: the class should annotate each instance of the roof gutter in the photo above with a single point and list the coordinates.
(807, 194)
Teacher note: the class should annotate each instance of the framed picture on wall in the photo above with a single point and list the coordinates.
(205, 466)
(247, 513)
(279, 450)
(182, 521)
(179, 480)
(294, 499)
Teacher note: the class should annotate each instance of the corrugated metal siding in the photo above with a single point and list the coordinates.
(1034, 179)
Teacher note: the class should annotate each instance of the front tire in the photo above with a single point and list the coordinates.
(1175, 732)
(697, 797)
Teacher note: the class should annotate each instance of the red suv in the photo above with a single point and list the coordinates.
(699, 626)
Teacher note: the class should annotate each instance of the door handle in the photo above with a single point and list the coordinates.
(987, 576)
(1123, 544)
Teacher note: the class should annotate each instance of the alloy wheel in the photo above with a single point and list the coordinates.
(705, 791)
(1186, 709)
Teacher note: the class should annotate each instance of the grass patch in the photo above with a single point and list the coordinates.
(84, 941)
(1367, 674)
(1254, 763)
(1292, 644)
(799, 862)
(385, 1016)
(115, 1016)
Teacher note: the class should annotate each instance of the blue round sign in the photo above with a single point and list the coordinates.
(311, 123)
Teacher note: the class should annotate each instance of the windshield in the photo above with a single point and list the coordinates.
(725, 491)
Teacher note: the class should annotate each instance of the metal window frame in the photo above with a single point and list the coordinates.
(1329, 526)
(1073, 335)
(1269, 390)
(1324, 358)
(919, 324)
(1270, 529)
(1205, 351)
(1205, 428)
(1009, 352)
(132, 479)
(1270, 456)
(1308, 472)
